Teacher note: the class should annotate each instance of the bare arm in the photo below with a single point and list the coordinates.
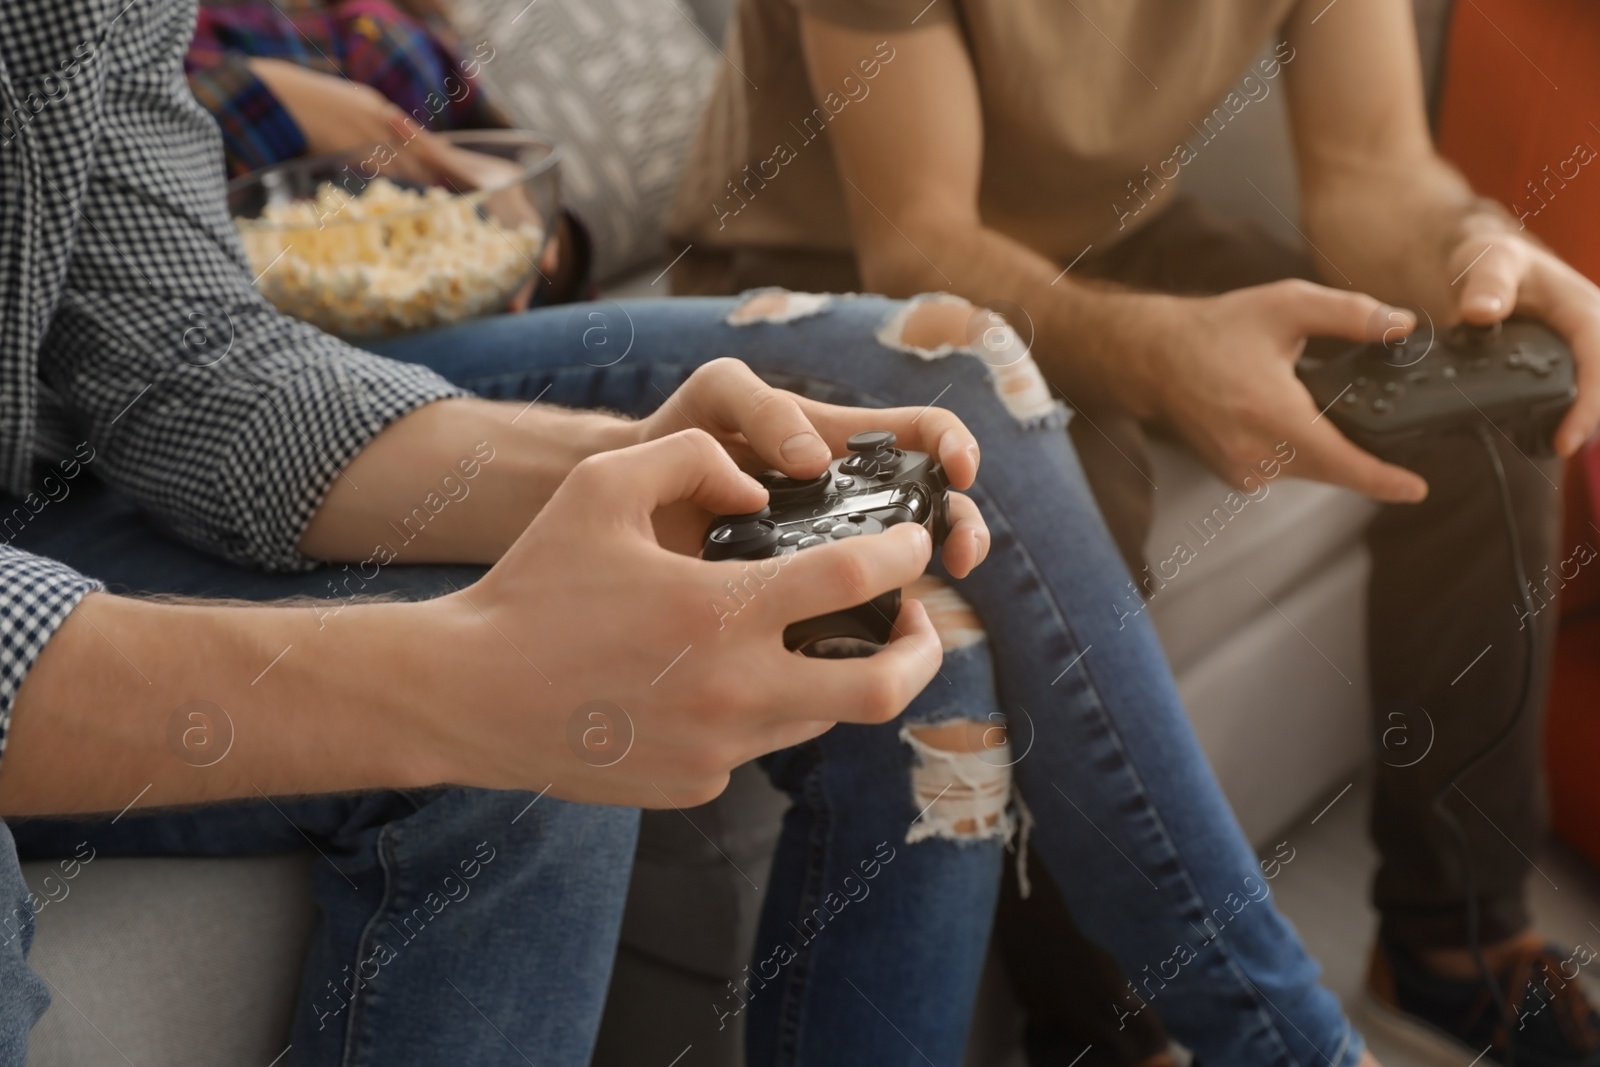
(589, 518)
(1220, 370)
(1395, 218)
(913, 157)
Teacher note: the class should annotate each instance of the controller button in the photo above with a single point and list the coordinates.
(1481, 363)
(1541, 367)
(1448, 373)
(1392, 387)
(791, 538)
(1417, 377)
(845, 529)
(1350, 399)
(1361, 381)
(844, 481)
(811, 541)
(1380, 405)
(822, 525)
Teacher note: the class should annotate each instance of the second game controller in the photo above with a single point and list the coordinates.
(1518, 375)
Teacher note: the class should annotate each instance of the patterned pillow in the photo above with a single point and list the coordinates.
(620, 84)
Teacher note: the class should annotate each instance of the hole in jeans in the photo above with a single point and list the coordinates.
(776, 306)
(936, 325)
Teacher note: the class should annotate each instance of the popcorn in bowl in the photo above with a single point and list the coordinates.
(390, 260)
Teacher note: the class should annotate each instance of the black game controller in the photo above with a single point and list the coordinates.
(1385, 398)
(875, 487)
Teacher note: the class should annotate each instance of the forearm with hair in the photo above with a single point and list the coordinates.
(1092, 339)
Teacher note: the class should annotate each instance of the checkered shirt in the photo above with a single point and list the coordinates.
(129, 320)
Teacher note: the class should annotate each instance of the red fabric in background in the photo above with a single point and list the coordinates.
(1521, 94)
(1519, 113)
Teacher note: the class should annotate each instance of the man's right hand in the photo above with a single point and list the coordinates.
(1221, 371)
(587, 606)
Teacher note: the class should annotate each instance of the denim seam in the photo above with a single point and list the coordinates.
(792, 996)
(355, 1049)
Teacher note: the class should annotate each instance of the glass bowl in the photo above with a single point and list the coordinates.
(391, 238)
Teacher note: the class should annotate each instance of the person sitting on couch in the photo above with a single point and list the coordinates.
(1028, 157)
(232, 473)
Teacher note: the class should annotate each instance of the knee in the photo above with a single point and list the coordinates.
(776, 306)
(961, 767)
(937, 325)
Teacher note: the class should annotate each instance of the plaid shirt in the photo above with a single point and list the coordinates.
(406, 54)
(128, 319)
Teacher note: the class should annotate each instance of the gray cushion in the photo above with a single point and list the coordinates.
(178, 962)
(620, 84)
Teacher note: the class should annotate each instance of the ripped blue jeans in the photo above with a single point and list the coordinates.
(1125, 810)
(877, 912)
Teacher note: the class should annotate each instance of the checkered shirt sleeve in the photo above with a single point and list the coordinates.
(129, 319)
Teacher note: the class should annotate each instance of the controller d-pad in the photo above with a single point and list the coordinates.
(844, 529)
(812, 541)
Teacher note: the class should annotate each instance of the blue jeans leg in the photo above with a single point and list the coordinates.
(869, 949)
(870, 946)
(1130, 819)
(23, 994)
(453, 926)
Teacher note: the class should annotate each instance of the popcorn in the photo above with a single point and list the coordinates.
(388, 261)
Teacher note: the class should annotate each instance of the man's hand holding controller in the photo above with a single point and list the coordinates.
(607, 581)
(601, 597)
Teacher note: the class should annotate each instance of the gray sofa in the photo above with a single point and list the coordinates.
(186, 962)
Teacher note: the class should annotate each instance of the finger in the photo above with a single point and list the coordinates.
(631, 483)
(844, 574)
(1489, 275)
(1570, 304)
(1305, 309)
(1326, 455)
(875, 688)
(730, 397)
(936, 431)
(967, 543)
(1584, 415)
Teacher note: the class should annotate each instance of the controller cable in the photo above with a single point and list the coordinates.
(1501, 736)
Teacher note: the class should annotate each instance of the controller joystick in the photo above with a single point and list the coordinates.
(782, 489)
(877, 486)
(874, 454)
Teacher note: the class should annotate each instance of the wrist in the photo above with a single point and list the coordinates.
(458, 676)
(1128, 338)
(413, 685)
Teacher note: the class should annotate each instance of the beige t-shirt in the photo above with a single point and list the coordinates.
(1091, 109)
